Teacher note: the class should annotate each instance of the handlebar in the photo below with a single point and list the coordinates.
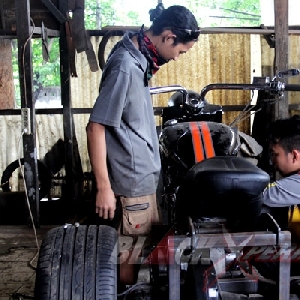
(230, 86)
(273, 87)
(167, 89)
(260, 84)
(292, 87)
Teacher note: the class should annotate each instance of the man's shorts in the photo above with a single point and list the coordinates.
(139, 214)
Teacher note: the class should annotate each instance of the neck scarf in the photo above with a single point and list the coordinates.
(150, 52)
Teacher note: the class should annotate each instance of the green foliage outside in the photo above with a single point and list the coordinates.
(101, 13)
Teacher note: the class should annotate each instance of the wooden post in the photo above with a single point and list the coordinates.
(67, 109)
(281, 51)
(27, 104)
(7, 94)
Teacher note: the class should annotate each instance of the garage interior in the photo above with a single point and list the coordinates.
(53, 146)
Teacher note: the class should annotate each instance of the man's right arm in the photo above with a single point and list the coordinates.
(105, 198)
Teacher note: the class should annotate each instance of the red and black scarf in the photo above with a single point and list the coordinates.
(150, 52)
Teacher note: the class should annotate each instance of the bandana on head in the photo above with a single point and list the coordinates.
(150, 52)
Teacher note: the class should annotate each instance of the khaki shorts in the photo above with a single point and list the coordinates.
(139, 214)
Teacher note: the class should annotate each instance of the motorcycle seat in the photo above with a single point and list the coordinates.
(222, 174)
(223, 186)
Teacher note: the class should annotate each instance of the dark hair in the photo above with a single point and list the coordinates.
(178, 19)
(286, 133)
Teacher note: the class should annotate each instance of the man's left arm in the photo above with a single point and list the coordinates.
(283, 192)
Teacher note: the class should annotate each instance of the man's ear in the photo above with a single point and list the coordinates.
(296, 155)
(168, 35)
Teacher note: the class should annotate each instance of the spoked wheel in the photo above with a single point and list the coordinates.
(78, 263)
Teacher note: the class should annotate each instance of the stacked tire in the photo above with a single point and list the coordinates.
(78, 262)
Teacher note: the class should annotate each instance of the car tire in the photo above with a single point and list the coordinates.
(78, 263)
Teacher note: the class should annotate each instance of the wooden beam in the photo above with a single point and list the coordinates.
(37, 31)
(50, 32)
(2, 15)
(7, 90)
(66, 102)
(281, 51)
(27, 103)
(119, 30)
(55, 11)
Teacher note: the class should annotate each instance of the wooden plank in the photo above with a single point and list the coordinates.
(26, 88)
(2, 15)
(55, 12)
(281, 51)
(78, 29)
(119, 30)
(7, 90)
(71, 4)
(50, 32)
(37, 31)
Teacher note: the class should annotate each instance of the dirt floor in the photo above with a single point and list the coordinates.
(18, 257)
(18, 250)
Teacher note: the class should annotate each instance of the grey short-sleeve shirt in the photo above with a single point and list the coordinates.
(283, 192)
(124, 106)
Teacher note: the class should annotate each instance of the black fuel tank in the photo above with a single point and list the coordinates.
(176, 142)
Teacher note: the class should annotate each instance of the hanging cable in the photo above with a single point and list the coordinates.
(28, 204)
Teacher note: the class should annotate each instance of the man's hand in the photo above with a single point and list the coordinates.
(105, 204)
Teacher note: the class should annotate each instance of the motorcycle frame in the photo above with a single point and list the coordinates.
(179, 243)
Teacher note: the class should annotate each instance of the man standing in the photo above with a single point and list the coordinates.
(122, 139)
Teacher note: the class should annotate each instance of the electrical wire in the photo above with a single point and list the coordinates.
(19, 143)
(133, 288)
(28, 204)
(254, 112)
(246, 109)
(244, 116)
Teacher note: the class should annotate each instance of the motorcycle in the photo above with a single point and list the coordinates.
(214, 227)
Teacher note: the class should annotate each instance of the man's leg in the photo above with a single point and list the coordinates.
(139, 214)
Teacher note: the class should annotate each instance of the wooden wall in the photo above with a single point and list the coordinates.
(216, 58)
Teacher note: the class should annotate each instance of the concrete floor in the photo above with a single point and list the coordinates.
(17, 249)
(18, 257)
